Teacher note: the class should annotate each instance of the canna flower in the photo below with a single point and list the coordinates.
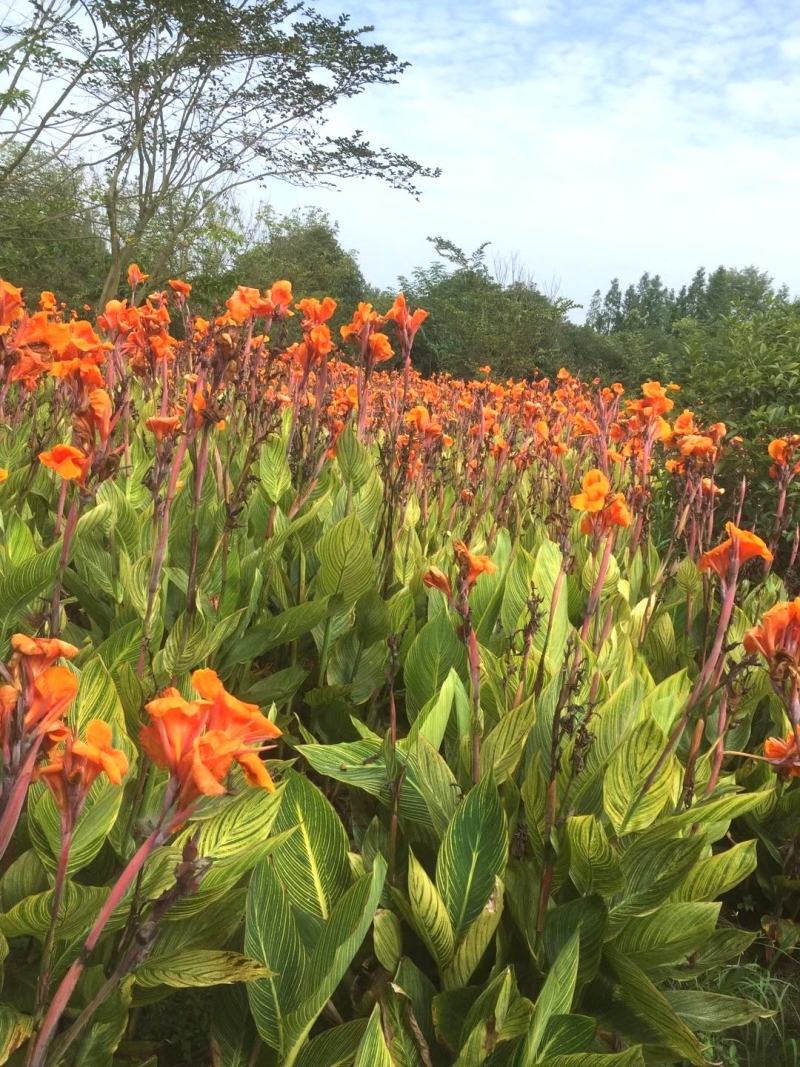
(281, 295)
(379, 348)
(364, 317)
(11, 306)
(69, 775)
(434, 578)
(593, 493)
(198, 741)
(777, 637)
(740, 546)
(180, 288)
(3, 475)
(783, 755)
(67, 461)
(48, 698)
(135, 276)
(315, 312)
(35, 654)
(163, 426)
(408, 322)
(472, 566)
(100, 409)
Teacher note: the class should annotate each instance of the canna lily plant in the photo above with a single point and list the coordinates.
(417, 721)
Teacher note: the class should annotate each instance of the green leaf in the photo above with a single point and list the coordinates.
(271, 936)
(505, 743)
(21, 584)
(669, 935)
(633, 1057)
(713, 877)
(711, 1013)
(279, 630)
(627, 773)
(199, 967)
(31, 916)
(233, 1035)
(236, 837)
(312, 864)
(273, 468)
(387, 938)
(475, 942)
(339, 940)
(555, 997)
(586, 916)
(372, 1050)
(435, 650)
(647, 1002)
(567, 1034)
(346, 565)
(354, 459)
(15, 1029)
(429, 913)
(473, 853)
(333, 1048)
(593, 865)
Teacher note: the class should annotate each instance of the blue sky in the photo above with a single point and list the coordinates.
(591, 139)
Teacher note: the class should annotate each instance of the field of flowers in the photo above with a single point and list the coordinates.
(417, 721)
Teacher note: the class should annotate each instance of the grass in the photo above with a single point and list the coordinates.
(770, 1042)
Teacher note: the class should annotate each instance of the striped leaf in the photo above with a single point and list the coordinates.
(333, 1048)
(236, 837)
(15, 1028)
(632, 1057)
(473, 853)
(339, 940)
(312, 864)
(372, 1050)
(429, 913)
(623, 800)
(667, 936)
(271, 936)
(713, 877)
(593, 865)
(475, 942)
(199, 967)
(555, 997)
(650, 1005)
(346, 564)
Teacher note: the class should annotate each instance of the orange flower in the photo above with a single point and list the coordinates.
(740, 546)
(364, 316)
(693, 444)
(47, 301)
(135, 276)
(379, 348)
(101, 411)
(163, 425)
(181, 288)
(67, 461)
(3, 475)
(778, 634)
(315, 312)
(434, 578)
(281, 294)
(176, 725)
(198, 741)
(783, 754)
(408, 322)
(11, 307)
(247, 303)
(36, 654)
(472, 565)
(49, 696)
(593, 492)
(70, 774)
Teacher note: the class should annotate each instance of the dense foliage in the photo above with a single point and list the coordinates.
(421, 721)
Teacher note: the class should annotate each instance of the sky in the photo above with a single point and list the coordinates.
(592, 140)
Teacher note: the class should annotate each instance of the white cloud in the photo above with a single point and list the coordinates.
(594, 139)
